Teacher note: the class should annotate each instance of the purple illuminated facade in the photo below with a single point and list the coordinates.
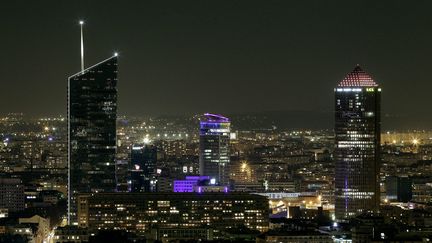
(214, 147)
(199, 184)
(189, 183)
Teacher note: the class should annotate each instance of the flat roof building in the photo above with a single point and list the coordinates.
(140, 213)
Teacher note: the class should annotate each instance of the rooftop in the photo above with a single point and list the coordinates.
(214, 118)
(86, 70)
(357, 78)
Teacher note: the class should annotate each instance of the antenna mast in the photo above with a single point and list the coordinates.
(81, 22)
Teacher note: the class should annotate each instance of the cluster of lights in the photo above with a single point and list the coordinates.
(358, 78)
(48, 128)
(415, 141)
(51, 119)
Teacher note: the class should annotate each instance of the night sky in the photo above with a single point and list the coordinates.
(220, 56)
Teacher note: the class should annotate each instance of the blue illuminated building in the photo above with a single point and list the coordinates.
(214, 147)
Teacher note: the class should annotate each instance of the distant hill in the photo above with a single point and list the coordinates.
(287, 120)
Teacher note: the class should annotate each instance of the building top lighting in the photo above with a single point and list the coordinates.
(357, 78)
(215, 118)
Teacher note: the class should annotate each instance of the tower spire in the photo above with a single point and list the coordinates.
(81, 22)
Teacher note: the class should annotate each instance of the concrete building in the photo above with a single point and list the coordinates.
(12, 195)
(140, 213)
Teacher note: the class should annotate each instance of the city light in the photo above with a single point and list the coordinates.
(146, 140)
(246, 122)
(244, 166)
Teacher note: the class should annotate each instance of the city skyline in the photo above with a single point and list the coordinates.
(216, 122)
(242, 63)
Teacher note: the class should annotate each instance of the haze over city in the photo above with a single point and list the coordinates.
(215, 122)
(278, 56)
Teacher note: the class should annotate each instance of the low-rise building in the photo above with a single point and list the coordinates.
(11, 194)
(139, 213)
(286, 236)
(41, 226)
(71, 234)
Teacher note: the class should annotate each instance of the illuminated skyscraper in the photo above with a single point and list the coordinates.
(214, 147)
(92, 114)
(357, 144)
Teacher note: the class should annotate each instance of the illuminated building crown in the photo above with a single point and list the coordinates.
(357, 78)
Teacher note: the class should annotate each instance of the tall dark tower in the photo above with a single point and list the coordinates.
(214, 147)
(357, 144)
(92, 114)
(143, 160)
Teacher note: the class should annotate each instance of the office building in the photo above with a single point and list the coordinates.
(122, 175)
(140, 213)
(214, 147)
(357, 144)
(11, 195)
(398, 188)
(70, 234)
(294, 236)
(198, 184)
(143, 174)
(189, 183)
(92, 113)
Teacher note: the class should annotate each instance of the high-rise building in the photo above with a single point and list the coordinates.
(357, 144)
(214, 147)
(143, 160)
(122, 175)
(399, 188)
(92, 113)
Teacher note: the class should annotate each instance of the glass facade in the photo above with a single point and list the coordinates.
(399, 188)
(143, 159)
(357, 145)
(92, 114)
(214, 147)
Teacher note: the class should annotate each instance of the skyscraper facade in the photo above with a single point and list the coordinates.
(357, 145)
(398, 188)
(214, 147)
(143, 160)
(92, 114)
